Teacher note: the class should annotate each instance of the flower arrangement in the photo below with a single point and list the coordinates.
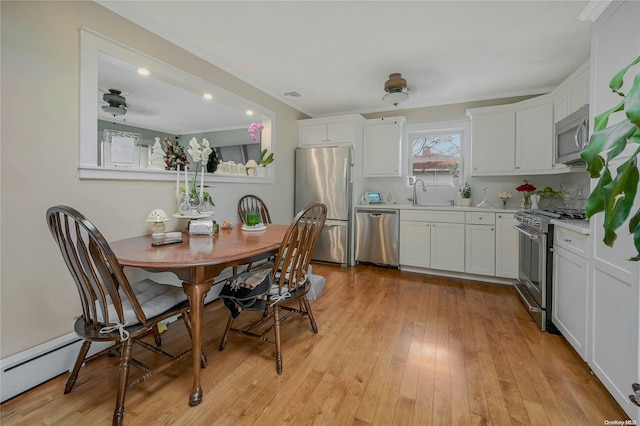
(196, 200)
(254, 131)
(465, 191)
(174, 153)
(504, 196)
(527, 189)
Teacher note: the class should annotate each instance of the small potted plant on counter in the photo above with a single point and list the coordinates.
(465, 195)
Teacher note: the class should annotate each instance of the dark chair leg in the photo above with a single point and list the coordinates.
(307, 307)
(156, 335)
(71, 381)
(225, 336)
(118, 414)
(276, 330)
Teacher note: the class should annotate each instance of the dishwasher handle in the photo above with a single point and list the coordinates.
(376, 213)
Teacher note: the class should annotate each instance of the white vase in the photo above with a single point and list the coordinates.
(464, 202)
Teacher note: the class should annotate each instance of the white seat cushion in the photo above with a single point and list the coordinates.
(154, 298)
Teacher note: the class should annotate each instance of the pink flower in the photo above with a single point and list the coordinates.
(253, 129)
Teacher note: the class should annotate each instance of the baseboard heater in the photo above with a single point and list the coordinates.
(28, 369)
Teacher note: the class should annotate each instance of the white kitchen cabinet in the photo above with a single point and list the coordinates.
(480, 254)
(442, 244)
(415, 244)
(614, 280)
(572, 93)
(513, 139)
(506, 246)
(447, 246)
(534, 138)
(493, 142)
(480, 243)
(329, 131)
(570, 281)
(382, 147)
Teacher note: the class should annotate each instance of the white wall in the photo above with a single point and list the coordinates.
(40, 155)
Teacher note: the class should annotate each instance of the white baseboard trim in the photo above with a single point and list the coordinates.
(32, 367)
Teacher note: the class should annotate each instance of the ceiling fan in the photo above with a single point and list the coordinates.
(396, 88)
(117, 103)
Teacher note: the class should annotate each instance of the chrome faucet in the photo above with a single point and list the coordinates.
(414, 200)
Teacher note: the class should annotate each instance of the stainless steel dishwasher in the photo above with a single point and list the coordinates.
(377, 236)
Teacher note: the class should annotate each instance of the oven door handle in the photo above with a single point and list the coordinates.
(529, 306)
(527, 233)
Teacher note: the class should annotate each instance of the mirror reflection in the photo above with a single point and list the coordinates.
(139, 100)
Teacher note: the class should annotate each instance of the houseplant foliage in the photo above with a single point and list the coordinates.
(615, 192)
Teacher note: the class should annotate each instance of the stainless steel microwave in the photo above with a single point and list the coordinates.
(572, 136)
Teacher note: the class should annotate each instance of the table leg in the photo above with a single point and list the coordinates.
(196, 294)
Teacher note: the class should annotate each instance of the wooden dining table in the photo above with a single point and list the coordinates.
(197, 261)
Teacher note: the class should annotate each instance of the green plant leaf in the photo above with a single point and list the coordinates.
(634, 228)
(632, 102)
(619, 195)
(601, 120)
(618, 80)
(611, 138)
(596, 201)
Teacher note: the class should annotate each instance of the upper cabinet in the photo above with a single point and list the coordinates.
(340, 130)
(518, 138)
(514, 139)
(493, 134)
(534, 139)
(382, 147)
(572, 93)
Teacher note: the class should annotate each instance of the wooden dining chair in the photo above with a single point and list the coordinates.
(253, 203)
(113, 310)
(272, 287)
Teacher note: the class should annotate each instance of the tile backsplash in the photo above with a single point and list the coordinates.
(397, 189)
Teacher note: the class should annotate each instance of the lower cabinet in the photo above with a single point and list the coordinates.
(506, 246)
(447, 246)
(480, 254)
(480, 243)
(569, 306)
(473, 242)
(432, 239)
(415, 243)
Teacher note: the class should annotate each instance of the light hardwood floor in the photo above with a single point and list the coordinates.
(392, 349)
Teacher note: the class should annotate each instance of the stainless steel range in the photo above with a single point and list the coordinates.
(536, 261)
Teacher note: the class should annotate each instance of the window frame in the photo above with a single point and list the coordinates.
(463, 127)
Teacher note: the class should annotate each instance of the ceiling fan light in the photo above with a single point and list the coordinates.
(394, 98)
(396, 88)
(114, 110)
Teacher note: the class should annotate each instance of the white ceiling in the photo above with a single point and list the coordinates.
(339, 54)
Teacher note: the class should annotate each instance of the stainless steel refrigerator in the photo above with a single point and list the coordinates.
(324, 175)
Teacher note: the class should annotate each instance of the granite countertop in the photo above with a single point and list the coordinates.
(577, 225)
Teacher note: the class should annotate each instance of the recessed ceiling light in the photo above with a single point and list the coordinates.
(249, 112)
(143, 71)
(208, 96)
(293, 94)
